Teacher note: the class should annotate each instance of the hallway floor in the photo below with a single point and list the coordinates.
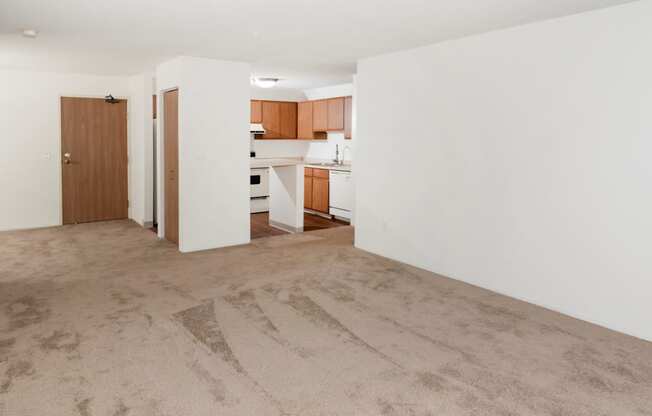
(260, 227)
(105, 319)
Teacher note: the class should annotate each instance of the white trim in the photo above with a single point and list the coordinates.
(284, 227)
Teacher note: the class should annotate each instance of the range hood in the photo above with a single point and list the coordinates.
(256, 128)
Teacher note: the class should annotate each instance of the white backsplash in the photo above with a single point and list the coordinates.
(326, 149)
(321, 150)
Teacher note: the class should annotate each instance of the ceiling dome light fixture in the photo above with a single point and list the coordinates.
(265, 82)
(30, 33)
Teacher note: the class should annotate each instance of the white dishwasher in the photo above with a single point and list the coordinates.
(341, 194)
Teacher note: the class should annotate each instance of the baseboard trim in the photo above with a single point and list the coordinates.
(319, 214)
(285, 227)
(148, 224)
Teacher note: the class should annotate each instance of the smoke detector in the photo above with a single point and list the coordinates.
(30, 33)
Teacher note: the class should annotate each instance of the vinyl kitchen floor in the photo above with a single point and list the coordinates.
(260, 227)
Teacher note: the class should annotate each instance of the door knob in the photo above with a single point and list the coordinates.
(66, 158)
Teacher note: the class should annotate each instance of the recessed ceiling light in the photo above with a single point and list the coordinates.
(265, 82)
(30, 33)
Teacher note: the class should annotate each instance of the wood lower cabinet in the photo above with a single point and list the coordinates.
(316, 190)
(256, 114)
(307, 188)
(320, 194)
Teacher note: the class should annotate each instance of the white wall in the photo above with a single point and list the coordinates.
(213, 151)
(277, 94)
(533, 177)
(141, 149)
(341, 90)
(280, 148)
(286, 192)
(30, 167)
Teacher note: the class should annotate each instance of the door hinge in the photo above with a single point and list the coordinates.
(128, 203)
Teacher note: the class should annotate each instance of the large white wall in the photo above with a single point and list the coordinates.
(519, 161)
(30, 163)
(213, 151)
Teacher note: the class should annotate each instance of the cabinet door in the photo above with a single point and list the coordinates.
(348, 116)
(304, 120)
(320, 115)
(288, 117)
(320, 194)
(336, 114)
(256, 111)
(272, 120)
(307, 192)
(320, 173)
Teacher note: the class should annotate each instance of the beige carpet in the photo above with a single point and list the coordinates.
(105, 320)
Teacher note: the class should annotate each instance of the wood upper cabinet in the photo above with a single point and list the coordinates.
(336, 114)
(278, 118)
(304, 123)
(271, 112)
(328, 115)
(304, 120)
(320, 115)
(307, 120)
(256, 111)
(288, 117)
(348, 117)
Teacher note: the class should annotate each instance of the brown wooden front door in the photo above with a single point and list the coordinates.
(94, 160)
(171, 148)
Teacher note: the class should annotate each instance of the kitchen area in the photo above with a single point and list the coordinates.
(301, 163)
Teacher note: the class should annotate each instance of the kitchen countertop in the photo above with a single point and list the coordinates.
(275, 162)
(341, 168)
(278, 162)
